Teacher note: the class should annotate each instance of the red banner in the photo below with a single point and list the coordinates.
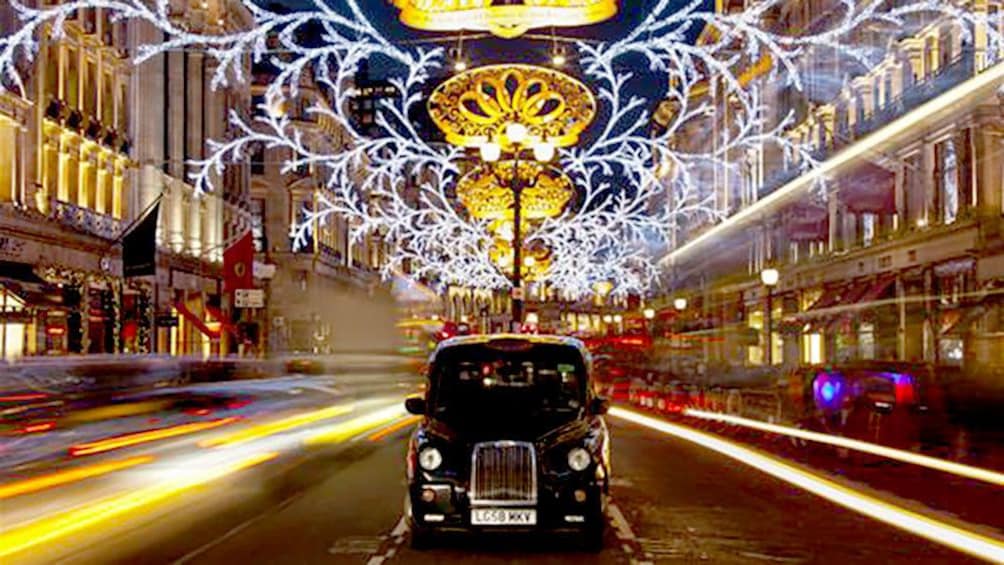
(238, 262)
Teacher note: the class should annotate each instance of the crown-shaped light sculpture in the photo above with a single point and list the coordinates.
(508, 20)
(487, 194)
(477, 106)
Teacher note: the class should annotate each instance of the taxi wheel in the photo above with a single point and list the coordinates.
(591, 538)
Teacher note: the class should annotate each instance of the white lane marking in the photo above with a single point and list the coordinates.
(620, 523)
(625, 534)
(237, 530)
(390, 549)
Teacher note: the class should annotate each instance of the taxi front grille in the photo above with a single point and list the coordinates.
(504, 473)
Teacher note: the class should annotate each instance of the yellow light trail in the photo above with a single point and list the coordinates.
(270, 428)
(959, 469)
(137, 438)
(969, 542)
(396, 426)
(54, 527)
(357, 426)
(36, 484)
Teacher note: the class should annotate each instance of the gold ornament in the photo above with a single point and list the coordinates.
(487, 194)
(476, 107)
(509, 20)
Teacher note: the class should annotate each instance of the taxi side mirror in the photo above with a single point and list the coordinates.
(415, 405)
(600, 406)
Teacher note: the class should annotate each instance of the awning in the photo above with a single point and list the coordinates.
(863, 295)
(869, 188)
(196, 321)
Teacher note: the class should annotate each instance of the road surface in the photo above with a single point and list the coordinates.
(342, 501)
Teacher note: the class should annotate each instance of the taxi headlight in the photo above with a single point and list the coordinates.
(579, 459)
(430, 458)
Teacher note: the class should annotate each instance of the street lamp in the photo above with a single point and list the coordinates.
(518, 136)
(649, 314)
(769, 278)
(680, 304)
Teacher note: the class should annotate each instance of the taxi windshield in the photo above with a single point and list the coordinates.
(532, 385)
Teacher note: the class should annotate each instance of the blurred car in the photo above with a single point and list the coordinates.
(304, 366)
(512, 439)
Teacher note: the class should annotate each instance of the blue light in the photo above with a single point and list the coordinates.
(828, 391)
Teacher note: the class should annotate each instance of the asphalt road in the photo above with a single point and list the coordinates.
(672, 502)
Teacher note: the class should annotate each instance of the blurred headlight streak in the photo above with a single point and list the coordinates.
(980, 546)
(959, 469)
(357, 426)
(129, 440)
(395, 427)
(69, 476)
(54, 527)
(278, 426)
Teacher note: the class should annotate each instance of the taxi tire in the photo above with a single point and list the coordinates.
(591, 538)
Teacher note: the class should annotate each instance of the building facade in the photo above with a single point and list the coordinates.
(326, 294)
(89, 145)
(894, 252)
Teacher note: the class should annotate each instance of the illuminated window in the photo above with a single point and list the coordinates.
(71, 87)
(948, 182)
(8, 162)
(866, 341)
(812, 348)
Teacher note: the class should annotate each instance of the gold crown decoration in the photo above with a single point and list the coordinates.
(475, 107)
(487, 194)
(507, 20)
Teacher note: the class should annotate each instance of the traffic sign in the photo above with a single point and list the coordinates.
(249, 298)
(167, 321)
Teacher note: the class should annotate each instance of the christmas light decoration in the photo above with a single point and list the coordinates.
(504, 20)
(479, 106)
(637, 193)
(486, 191)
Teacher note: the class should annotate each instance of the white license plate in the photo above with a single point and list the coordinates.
(503, 517)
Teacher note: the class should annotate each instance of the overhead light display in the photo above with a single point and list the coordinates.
(481, 106)
(508, 20)
(635, 188)
(487, 194)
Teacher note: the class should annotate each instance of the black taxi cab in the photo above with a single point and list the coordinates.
(512, 439)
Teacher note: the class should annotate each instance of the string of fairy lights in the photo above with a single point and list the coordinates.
(634, 189)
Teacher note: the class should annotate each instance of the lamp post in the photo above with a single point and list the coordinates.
(770, 278)
(517, 135)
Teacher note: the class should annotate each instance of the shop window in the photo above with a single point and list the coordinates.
(755, 353)
(258, 160)
(866, 341)
(123, 108)
(812, 349)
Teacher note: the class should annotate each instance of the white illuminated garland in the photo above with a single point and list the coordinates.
(637, 190)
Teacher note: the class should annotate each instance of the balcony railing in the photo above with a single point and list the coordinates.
(87, 221)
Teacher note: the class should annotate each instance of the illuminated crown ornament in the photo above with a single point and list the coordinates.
(487, 194)
(507, 20)
(475, 107)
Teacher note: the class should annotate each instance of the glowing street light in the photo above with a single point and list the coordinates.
(543, 152)
(770, 277)
(517, 133)
(680, 304)
(491, 152)
(649, 314)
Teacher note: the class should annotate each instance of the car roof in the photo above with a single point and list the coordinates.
(532, 338)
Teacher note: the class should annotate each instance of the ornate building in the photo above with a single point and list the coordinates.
(895, 252)
(326, 294)
(86, 149)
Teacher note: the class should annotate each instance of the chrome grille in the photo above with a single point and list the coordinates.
(504, 473)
